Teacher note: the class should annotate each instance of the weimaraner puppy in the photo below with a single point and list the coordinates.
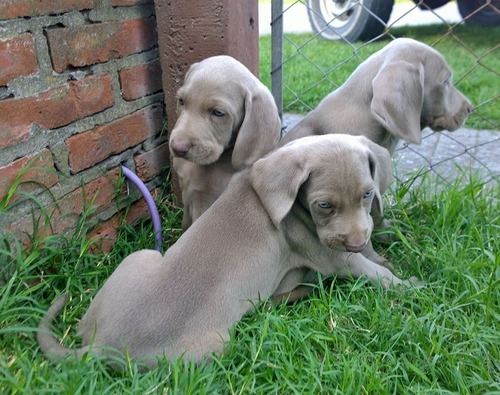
(305, 205)
(227, 120)
(394, 94)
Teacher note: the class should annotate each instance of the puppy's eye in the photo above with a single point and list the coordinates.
(218, 113)
(368, 195)
(324, 205)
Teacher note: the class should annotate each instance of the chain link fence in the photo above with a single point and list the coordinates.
(300, 29)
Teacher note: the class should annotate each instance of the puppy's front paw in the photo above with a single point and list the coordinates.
(413, 282)
(387, 264)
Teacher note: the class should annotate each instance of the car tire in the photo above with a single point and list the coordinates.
(487, 16)
(430, 4)
(349, 20)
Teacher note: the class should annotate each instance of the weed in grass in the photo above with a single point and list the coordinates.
(347, 337)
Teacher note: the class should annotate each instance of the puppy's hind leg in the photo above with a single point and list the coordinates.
(291, 288)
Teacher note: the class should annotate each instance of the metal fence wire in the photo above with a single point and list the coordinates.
(471, 148)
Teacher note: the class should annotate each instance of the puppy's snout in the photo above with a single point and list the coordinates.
(355, 241)
(180, 148)
(470, 108)
(357, 247)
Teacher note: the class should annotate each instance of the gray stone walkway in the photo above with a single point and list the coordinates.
(443, 153)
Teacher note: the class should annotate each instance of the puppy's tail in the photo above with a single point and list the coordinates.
(48, 343)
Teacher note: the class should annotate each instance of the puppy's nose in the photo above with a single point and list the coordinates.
(470, 108)
(355, 247)
(180, 148)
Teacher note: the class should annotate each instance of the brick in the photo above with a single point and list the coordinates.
(105, 234)
(100, 42)
(23, 227)
(42, 173)
(98, 193)
(93, 146)
(150, 164)
(10, 9)
(141, 80)
(55, 108)
(17, 58)
(66, 212)
(128, 3)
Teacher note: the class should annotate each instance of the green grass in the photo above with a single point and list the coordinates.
(314, 67)
(349, 336)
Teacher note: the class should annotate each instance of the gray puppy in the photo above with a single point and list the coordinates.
(305, 205)
(227, 120)
(392, 95)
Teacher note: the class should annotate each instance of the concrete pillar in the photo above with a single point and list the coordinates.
(192, 30)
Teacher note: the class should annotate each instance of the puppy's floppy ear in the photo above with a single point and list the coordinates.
(192, 69)
(398, 96)
(380, 163)
(277, 179)
(260, 130)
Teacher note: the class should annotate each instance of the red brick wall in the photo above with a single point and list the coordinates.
(80, 94)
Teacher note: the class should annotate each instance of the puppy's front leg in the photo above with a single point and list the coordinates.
(372, 255)
(359, 266)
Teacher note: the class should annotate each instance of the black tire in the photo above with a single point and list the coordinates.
(426, 4)
(349, 20)
(487, 16)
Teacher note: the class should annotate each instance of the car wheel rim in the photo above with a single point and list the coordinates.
(337, 13)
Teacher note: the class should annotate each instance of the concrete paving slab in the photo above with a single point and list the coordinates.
(444, 153)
